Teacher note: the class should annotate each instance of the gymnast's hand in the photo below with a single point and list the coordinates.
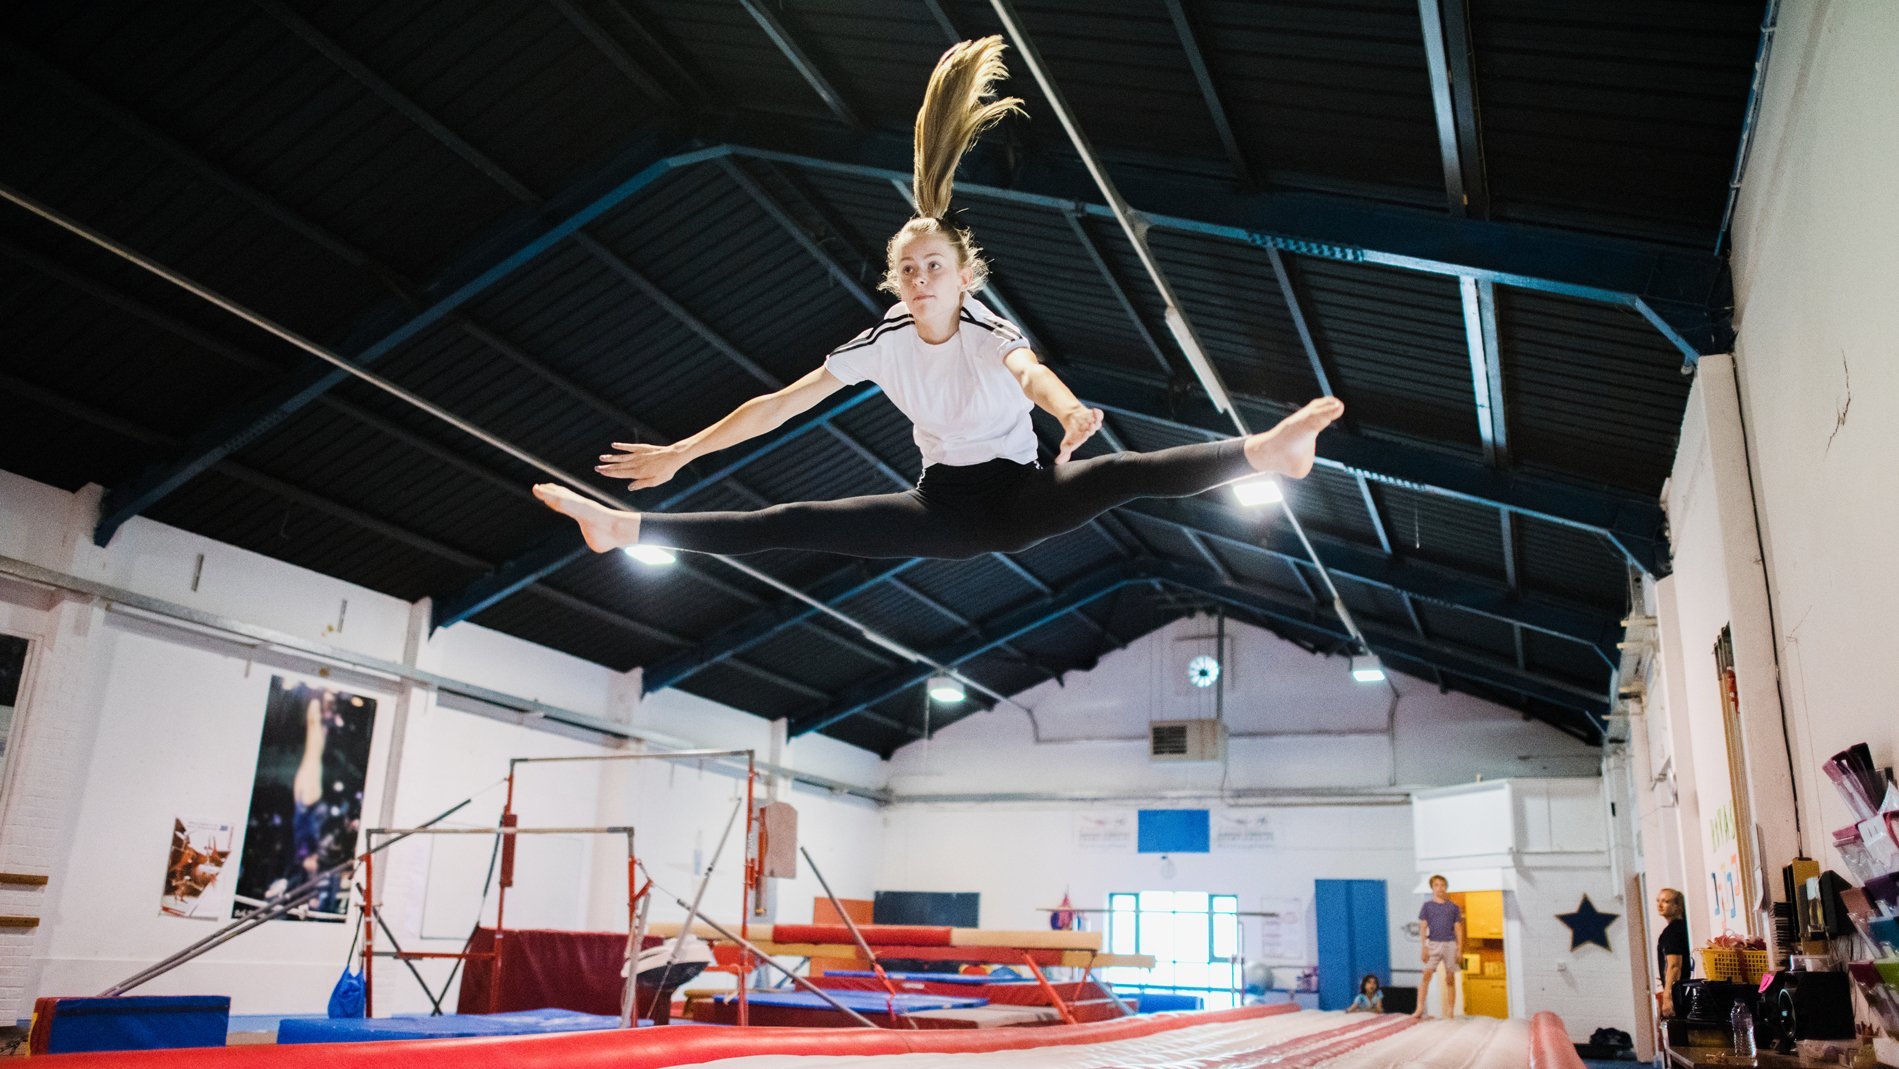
(643, 465)
(1077, 427)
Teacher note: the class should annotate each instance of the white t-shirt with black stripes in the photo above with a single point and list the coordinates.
(966, 406)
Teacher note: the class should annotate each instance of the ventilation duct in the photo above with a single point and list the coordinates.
(1186, 740)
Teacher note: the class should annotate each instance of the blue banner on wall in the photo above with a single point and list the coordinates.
(1174, 831)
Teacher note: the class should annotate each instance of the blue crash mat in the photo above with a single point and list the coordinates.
(861, 1001)
(447, 1026)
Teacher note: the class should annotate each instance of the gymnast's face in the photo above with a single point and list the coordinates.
(929, 279)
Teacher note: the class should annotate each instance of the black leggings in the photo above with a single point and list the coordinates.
(959, 512)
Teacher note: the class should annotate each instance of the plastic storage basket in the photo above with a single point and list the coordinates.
(1734, 964)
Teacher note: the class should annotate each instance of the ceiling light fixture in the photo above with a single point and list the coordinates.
(946, 689)
(1367, 669)
(658, 556)
(1253, 493)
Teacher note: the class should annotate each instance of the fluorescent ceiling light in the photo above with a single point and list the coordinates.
(1367, 669)
(656, 555)
(946, 689)
(1261, 491)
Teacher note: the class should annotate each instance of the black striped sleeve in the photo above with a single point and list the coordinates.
(869, 337)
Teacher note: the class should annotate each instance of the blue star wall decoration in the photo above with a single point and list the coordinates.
(1588, 925)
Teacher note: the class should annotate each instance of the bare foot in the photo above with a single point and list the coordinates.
(1289, 448)
(602, 527)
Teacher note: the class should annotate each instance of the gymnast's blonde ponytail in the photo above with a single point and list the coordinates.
(953, 115)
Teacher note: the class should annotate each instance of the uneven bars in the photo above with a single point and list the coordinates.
(617, 829)
(668, 755)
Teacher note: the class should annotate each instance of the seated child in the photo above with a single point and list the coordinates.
(1371, 997)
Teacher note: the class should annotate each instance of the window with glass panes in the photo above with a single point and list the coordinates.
(1194, 937)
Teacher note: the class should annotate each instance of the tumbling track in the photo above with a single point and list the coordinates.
(1252, 1037)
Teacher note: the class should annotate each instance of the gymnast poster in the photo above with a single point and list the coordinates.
(307, 799)
(196, 884)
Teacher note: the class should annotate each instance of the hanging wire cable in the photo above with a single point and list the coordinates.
(566, 478)
(1176, 317)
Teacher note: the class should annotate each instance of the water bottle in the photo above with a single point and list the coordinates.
(1741, 1022)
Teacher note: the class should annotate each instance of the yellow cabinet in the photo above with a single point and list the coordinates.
(1483, 914)
(1485, 997)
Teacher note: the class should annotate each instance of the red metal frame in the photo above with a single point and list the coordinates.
(751, 876)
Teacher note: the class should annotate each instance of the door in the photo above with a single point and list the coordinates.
(1354, 938)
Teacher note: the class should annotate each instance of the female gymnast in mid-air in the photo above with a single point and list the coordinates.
(966, 379)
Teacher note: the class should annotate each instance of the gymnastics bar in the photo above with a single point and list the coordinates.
(750, 873)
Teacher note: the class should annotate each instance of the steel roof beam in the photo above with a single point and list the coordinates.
(232, 429)
(184, 154)
(443, 454)
(138, 309)
(437, 451)
(657, 46)
(969, 625)
(1395, 644)
(1447, 53)
(1634, 521)
(945, 21)
(1106, 581)
(383, 90)
(1197, 60)
(777, 213)
(241, 425)
(1080, 227)
(1372, 512)
(1557, 617)
(616, 54)
(1200, 546)
(1324, 379)
(1486, 368)
(564, 546)
(1295, 565)
(834, 589)
(1417, 625)
(807, 68)
(1289, 293)
(1683, 292)
(402, 535)
(1010, 625)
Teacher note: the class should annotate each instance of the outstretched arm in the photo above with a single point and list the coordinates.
(644, 465)
(1052, 395)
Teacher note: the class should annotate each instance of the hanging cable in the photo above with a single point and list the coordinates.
(566, 478)
(1175, 316)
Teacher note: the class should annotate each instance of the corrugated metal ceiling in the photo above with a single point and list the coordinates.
(325, 164)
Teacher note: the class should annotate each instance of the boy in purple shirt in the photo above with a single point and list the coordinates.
(1442, 936)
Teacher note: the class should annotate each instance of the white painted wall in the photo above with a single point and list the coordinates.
(1786, 462)
(1316, 737)
(1297, 722)
(127, 722)
(1697, 604)
(1024, 857)
(92, 806)
(1547, 843)
(1814, 264)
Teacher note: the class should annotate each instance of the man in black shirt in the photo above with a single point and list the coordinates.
(1672, 960)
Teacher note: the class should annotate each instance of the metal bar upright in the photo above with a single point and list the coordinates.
(369, 933)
